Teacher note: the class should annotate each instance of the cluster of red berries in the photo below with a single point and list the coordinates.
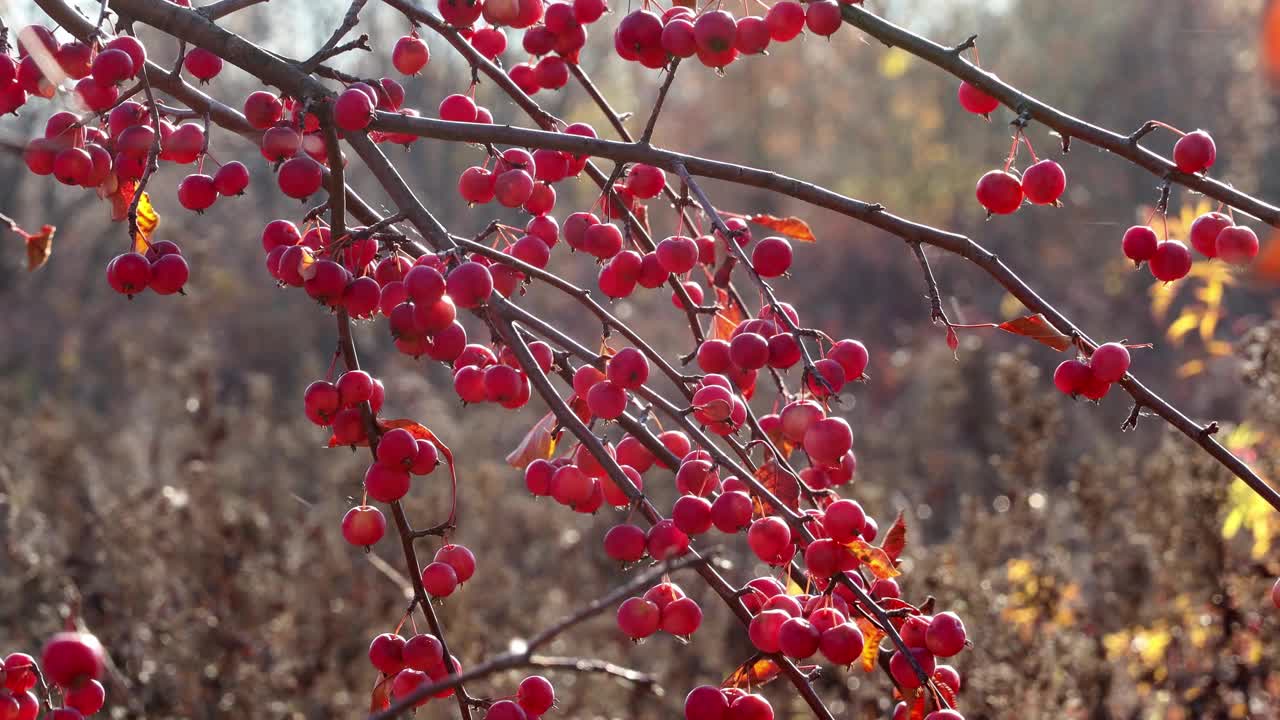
(70, 661)
(555, 41)
(410, 664)
(1092, 378)
(1213, 235)
(162, 269)
(663, 607)
(1002, 191)
(716, 36)
(44, 64)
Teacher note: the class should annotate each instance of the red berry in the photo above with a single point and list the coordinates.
(823, 17)
(386, 653)
(666, 541)
(300, 177)
(458, 108)
(1109, 362)
(469, 285)
(363, 525)
(231, 179)
(353, 110)
(904, 674)
(785, 20)
(706, 702)
(1172, 261)
(946, 635)
(771, 257)
(770, 540)
(751, 707)
(536, 695)
(202, 64)
(624, 543)
(638, 618)
(197, 192)
(111, 67)
(439, 579)
(385, 483)
(1043, 182)
(827, 440)
(731, 511)
(765, 628)
(692, 514)
(842, 644)
(263, 109)
(169, 274)
(1194, 152)
(798, 638)
(1237, 245)
(410, 55)
(1204, 232)
(976, 101)
(70, 657)
(999, 192)
(86, 698)
(1139, 243)
(129, 274)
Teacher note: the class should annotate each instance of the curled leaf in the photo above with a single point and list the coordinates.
(792, 226)
(538, 444)
(39, 245)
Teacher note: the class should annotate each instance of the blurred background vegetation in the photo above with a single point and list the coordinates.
(159, 482)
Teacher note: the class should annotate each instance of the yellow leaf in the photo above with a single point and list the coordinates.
(1208, 324)
(871, 637)
(876, 559)
(1162, 296)
(148, 221)
(1219, 348)
(1231, 525)
(1011, 307)
(894, 63)
(1185, 323)
(1190, 368)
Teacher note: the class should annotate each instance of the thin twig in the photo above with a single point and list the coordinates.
(330, 47)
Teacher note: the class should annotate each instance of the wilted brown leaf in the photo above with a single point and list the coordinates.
(39, 246)
(793, 227)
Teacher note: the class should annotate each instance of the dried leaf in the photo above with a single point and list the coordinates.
(1038, 329)
(1270, 43)
(793, 227)
(777, 481)
(871, 637)
(896, 539)
(39, 247)
(753, 673)
(727, 318)
(538, 444)
(876, 559)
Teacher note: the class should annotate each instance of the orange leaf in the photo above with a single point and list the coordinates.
(871, 637)
(39, 247)
(306, 264)
(876, 559)
(752, 673)
(1038, 329)
(1270, 43)
(785, 487)
(727, 318)
(896, 539)
(538, 444)
(793, 227)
